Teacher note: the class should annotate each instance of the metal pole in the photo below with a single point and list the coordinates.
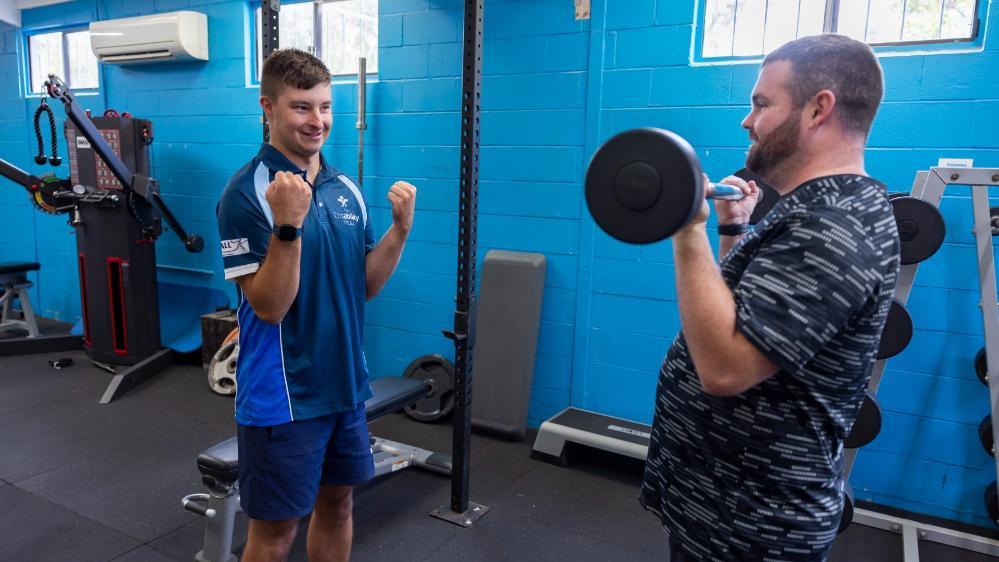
(362, 124)
(269, 18)
(462, 511)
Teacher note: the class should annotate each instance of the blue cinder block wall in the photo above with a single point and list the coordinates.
(553, 89)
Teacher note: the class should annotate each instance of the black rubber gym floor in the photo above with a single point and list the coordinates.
(80, 481)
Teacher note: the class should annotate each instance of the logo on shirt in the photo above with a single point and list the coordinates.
(235, 247)
(347, 216)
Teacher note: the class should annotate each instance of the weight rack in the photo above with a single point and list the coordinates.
(929, 186)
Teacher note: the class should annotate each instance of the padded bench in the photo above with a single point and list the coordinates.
(219, 466)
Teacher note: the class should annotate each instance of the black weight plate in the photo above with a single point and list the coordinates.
(897, 332)
(867, 426)
(439, 401)
(848, 501)
(981, 366)
(991, 503)
(994, 219)
(643, 185)
(985, 435)
(895, 194)
(768, 195)
(920, 228)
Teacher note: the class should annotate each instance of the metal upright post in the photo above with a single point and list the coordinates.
(362, 124)
(269, 18)
(987, 283)
(462, 511)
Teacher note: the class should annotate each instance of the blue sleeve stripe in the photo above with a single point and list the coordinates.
(261, 179)
(357, 194)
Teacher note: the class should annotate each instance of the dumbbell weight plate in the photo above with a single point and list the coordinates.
(644, 185)
(921, 228)
(991, 503)
(439, 401)
(985, 435)
(222, 368)
(867, 426)
(769, 196)
(897, 332)
(848, 501)
(981, 366)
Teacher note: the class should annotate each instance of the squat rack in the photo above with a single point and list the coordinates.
(460, 511)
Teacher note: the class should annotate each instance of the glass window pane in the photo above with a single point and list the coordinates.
(296, 26)
(749, 24)
(852, 20)
(811, 17)
(295, 30)
(884, 21)
(958, 19)
(922, 20)
(719, 27)
(82, 62)
(45, 56)
(782, 23)
(350, 31)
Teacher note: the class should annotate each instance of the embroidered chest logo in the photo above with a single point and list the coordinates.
(344, 214)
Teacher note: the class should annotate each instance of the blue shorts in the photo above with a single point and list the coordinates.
(282, 466)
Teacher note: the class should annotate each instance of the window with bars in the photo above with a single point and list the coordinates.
(347, 30)
(752, 28)
(66, 54)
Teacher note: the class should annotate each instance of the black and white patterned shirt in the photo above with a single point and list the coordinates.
(758, 476)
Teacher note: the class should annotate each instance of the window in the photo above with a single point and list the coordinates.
(751, 28)
(347, 30)
(66, 54)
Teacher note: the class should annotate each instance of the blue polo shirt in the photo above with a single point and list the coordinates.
(312, 363)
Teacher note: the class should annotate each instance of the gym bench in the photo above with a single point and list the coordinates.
(219, 467)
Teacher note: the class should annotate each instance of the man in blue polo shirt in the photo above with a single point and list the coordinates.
(297, 238)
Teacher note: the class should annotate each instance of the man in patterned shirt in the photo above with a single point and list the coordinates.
(759, 390)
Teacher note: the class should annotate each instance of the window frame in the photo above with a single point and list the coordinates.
(922, 47)
(63, 31)
(253, 6)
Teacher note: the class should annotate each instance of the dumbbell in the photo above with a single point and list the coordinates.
(897, 332)
(644, 185)
(868, 424)
(985, 435)
(848, 503)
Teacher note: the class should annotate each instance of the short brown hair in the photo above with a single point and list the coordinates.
(291, 67)
(845, 66)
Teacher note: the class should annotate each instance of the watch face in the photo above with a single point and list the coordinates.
(286, 232)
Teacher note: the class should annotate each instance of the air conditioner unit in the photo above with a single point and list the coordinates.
(174, 36)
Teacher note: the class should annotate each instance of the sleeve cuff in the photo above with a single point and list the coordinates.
(241, 270)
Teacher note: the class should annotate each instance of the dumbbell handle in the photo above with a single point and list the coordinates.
(727, 192)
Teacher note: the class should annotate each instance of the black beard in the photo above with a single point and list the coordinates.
(770, 154)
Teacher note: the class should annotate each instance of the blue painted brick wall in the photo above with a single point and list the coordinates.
(554, 87)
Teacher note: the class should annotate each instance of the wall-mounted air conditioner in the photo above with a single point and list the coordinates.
(175, 36)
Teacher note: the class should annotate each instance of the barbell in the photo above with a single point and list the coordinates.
(644, 185)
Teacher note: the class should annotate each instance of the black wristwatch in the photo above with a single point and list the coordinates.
(287, 232)
(733, 229)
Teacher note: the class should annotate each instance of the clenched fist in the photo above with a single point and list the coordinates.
(289, 197)
(402, 195)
